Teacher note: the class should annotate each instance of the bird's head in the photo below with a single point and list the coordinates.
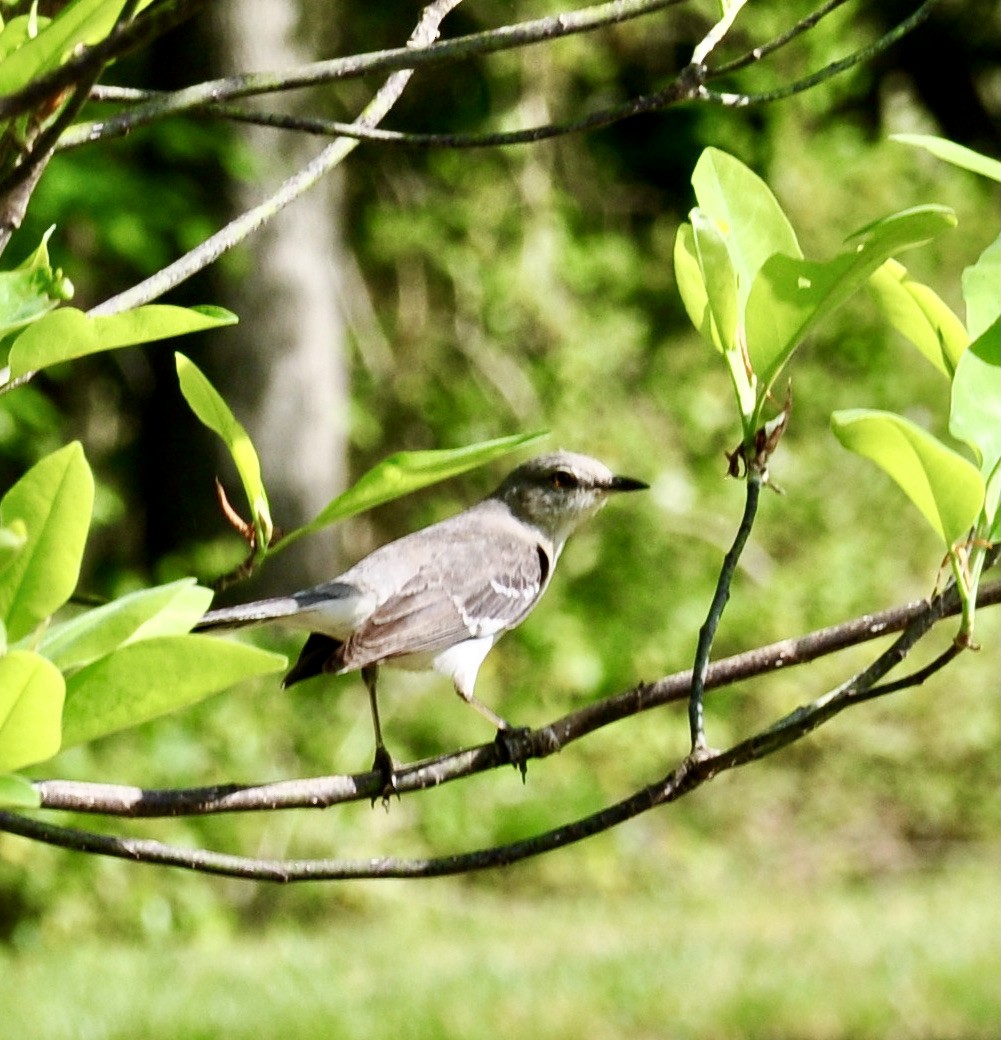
(556, 492)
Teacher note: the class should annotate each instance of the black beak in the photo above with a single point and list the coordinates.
(627, 484)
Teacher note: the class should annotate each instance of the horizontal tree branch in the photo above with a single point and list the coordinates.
(688, 85)
(322, 792)
(413, 56)
(687, 776)
(835, 68)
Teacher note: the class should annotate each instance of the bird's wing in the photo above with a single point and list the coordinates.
(451, 598)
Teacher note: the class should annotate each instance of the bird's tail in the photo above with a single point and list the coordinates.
(329, 608)
(256, 613)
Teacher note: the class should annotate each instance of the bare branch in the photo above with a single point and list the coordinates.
(835, 68)
(413, 56)
(686, 777)
(323, 792)
(688, 85)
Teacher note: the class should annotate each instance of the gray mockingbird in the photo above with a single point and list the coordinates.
(441, 597)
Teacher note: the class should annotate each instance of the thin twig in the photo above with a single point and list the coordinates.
(687, 86)
(762, 51)
(323, 792)
(835, 68)
(707, 633)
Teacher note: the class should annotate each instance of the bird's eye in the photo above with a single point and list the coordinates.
(563, 480)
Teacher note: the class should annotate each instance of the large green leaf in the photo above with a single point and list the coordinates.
(207, 404)
(790, 296)
(79, 22)
(745, 213)
(946, 488)
(31, 704)
(68, 333)
(155, 676)
(54, 501)
(918, 313)
(408, 471)
(980, 290)
(975, 414)
(719, 279)
(31, 289)
(957, 154)
(12, 540)
(692, 285)
(17, 792)
(165, 610)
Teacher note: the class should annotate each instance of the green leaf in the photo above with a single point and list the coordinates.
(165, 610)
(207, 404)
(144, 680)
(17, 792)
(957, 154)
(920, 315)
(980, 290)
(745, 213)
(18, 30)
(31, 703)
(54, 501)
(12, 540)
(946, 488)
(68, 333)
(975, 414)
(790, 296)
(408, 471)
(719, 280)
(31, 289)
(691, 283)
(79, 22)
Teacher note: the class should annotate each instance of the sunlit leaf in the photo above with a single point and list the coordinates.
(957, 154)
(79, 22)
(790, 296)
(919, 314)
(975, 415)
(745, 213)
(945, 487)
(691, 284)
(981, 293)
(17, 792)
(165, 610)
(719, 279)
(207, 404)
(53, 501)
(31, 703)
(31, 289)
(68, 333)
(408, 471)
(152, 677)
(12, 540)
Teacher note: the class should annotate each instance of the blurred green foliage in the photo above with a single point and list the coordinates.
(528, 288)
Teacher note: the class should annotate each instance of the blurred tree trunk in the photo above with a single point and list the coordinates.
(285, 365)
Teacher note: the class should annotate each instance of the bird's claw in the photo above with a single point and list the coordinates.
(515, 747)
(384, 765)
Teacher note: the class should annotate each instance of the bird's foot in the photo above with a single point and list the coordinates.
(384, 765)
(515, 746)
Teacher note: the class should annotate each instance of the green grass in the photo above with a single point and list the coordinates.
(908, 955)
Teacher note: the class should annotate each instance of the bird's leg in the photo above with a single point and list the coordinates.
(383, 762)
(510, 739)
